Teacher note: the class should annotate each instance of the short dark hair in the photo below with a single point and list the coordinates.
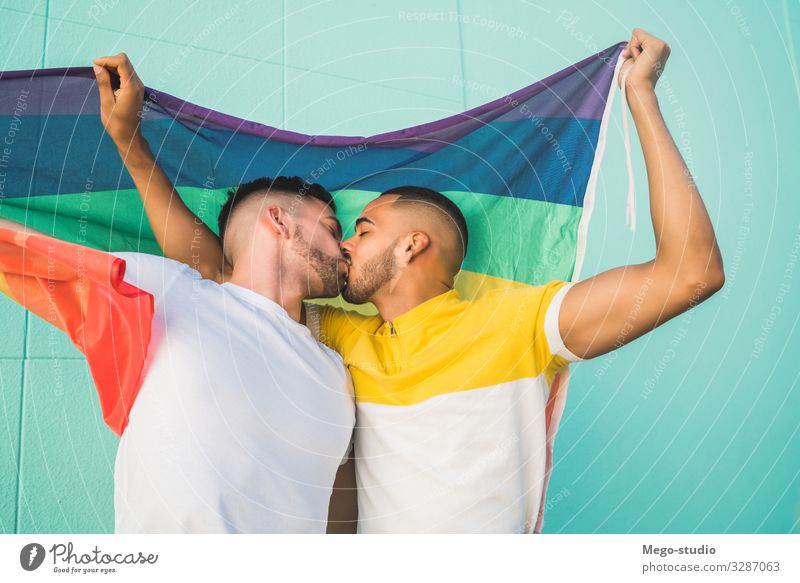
(440, 201)
(288, 184)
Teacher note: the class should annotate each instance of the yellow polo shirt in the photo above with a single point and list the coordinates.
(457, 406)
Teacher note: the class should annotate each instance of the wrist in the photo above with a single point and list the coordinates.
(640, 94)
(133, 147)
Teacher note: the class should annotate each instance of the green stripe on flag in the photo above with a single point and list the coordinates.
(523, 240)
(106, 220)
(512, 238)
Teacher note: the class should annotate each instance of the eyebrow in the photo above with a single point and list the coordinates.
(364, 220)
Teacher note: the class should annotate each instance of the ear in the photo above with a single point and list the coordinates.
(410, 246)
(276, 220)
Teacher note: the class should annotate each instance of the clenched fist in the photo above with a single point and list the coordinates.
(645, 56)
(120, 110)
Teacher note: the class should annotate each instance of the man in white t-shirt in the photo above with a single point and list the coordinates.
(243, 418)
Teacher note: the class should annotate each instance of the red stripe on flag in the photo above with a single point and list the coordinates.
(81, 291)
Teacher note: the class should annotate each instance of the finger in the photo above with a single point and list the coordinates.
(103, 78)
(120, 64)
(642, 34)
(123, 76)
(629, 52)
(125, 68)
(109, 62)
(635, 44)
(647, 56)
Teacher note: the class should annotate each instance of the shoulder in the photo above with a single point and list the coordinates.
(517, 293)
(522, 296)
(522, 306)
(332, 324)
(153, 272)
(535, 309)
(336, 314)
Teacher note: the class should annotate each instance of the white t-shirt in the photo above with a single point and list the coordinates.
(242, 419)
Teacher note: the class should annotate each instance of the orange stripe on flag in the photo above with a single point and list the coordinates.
(81, 291)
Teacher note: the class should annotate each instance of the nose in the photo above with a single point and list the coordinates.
(347, 247)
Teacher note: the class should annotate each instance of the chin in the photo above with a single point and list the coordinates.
(351, 300)
(331, 292)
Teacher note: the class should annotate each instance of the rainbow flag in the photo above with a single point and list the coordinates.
(523, 168)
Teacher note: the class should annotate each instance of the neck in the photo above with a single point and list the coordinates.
(270, 283)
(406, 295)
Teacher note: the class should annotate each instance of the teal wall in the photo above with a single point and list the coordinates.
(693, 428)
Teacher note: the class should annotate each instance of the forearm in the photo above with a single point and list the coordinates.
(181, 235)
(154, 188)
(685, 240)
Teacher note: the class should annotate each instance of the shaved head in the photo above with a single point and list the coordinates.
(408, 242)
(428, 210)
(246, 201)
(286, 228)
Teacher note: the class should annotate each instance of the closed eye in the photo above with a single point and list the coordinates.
(335, 228)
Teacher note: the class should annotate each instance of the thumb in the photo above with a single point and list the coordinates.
(104, 88)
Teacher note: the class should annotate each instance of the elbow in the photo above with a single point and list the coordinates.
(715, 280)
(703, 284)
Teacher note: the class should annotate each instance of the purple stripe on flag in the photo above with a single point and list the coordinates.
(564, 94)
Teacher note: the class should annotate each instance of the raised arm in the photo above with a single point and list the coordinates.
(179, 232)
(613, 308)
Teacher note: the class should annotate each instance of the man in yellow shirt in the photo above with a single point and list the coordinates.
(451, 394)
(458, 401)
